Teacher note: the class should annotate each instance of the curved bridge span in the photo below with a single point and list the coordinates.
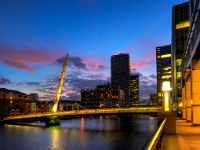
(100, 111)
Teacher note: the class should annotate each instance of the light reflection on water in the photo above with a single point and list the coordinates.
(80, 134)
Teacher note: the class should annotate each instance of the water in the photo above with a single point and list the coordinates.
(104, 133)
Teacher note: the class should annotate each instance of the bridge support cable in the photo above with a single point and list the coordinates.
(51, 84)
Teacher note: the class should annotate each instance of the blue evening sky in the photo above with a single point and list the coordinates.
(35, 36)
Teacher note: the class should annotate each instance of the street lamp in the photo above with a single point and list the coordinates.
(166, 96)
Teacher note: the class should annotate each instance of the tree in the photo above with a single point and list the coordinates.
(3, 111)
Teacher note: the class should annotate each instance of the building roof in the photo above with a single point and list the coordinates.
(12, 91)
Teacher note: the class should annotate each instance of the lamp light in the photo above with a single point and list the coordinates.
(166, 95)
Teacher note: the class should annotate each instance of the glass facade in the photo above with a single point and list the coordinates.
(180, 26)
(163, 63)
(134, 88)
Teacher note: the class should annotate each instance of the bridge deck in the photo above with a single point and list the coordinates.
(151, 109)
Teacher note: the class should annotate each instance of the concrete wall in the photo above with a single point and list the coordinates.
(170, 127)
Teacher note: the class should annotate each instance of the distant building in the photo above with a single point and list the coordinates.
(34, 96)
(134, 88)
(144, 102)
(120, 73)
(11, 97)
(102, 96)
(163, 66)
(89, 98)
(69, 105)
(153, 99)
(180, 26)
(108, 95)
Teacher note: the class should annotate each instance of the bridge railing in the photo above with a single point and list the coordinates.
(155, 141)
(91, 112)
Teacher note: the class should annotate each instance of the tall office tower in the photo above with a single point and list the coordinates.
(163, 63)
(120, 73)
(180, 26)
(134, 88)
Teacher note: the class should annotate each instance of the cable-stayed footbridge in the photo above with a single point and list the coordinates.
(54, 114)
(89, 112)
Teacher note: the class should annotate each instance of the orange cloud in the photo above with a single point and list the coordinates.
(93, 62)
(143, 64)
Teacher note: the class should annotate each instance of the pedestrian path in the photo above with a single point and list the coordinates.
(187, 137)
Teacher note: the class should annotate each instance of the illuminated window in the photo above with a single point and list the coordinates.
(178, 62)
(167, 68)
(166, 56)
(178, 75)
(183, 24)
(166, 76)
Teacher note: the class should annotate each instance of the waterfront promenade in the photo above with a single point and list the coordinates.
(187, 137)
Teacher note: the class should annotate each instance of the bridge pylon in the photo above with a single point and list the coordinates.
(55, 120)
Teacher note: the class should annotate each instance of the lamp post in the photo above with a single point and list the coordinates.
(166, 96)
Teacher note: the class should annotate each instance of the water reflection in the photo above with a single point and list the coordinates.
(108, 133)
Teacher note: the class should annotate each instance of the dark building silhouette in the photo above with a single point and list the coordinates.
(163, 65)
(153, 98)
(120, 73)
(88, 98)
(180, 26)
(106, 95)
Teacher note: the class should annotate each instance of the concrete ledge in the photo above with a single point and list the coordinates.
(170, 127)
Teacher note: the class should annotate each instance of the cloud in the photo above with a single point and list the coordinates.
(4, 81)
(75, 81)
(148, 86)
(73, 61)
(33, 83)
(22, 57)
(82, 63)
(18, 65)
(144, 63)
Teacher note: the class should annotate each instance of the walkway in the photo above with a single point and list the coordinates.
(187, 137)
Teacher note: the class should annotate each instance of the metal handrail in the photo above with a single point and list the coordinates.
(152, 143)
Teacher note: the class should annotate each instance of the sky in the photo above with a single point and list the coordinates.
(36, 35)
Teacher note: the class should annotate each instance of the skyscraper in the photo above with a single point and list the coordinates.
(180, 26)
(134, 88)
(120, 73)
(163, 65)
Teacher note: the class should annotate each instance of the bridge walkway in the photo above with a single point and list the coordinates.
(136, 110)
(187, 137)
